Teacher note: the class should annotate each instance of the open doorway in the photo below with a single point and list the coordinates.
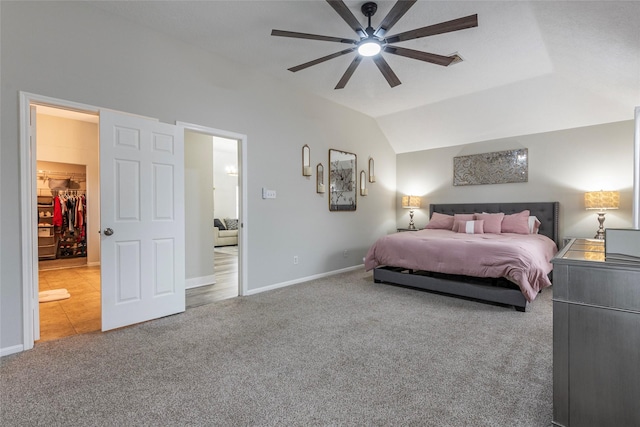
(139, 231)
(213, 216)
(68, 206)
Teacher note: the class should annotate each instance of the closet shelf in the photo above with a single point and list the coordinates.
(74, 176)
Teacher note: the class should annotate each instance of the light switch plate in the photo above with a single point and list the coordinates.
(268, 194)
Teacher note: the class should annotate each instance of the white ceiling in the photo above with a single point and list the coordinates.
(529, 66)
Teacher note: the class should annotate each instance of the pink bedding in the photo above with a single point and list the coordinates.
(522, 259)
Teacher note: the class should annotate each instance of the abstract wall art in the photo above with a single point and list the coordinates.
(499, 167)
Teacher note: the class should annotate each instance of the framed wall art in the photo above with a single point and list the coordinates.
(342, 181)
(499, 167)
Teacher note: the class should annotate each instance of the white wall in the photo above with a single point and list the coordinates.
(73, 51)
(198, 171)
(562, 166)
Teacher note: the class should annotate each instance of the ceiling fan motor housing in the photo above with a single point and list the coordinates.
(369, 9)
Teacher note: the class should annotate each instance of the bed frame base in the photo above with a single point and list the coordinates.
(468, 288)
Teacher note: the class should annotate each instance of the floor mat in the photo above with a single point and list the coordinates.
(53, 295)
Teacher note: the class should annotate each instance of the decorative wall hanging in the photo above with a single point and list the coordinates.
(372, 175)
(342, 181)
(319, 178)
(306, 160)
(363, 183)
(499, 167)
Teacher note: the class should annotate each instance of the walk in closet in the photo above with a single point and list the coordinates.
(62, 214)
(68, 205)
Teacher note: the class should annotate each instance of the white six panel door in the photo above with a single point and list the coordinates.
(142, 219)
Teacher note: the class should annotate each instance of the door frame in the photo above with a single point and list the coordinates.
(242, 185)
(28, 206)
(28, 209)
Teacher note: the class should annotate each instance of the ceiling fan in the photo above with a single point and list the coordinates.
(373, 42)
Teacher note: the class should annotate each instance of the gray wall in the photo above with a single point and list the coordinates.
(562, 166)
(72, 51)
(198, 197)
(225, 154)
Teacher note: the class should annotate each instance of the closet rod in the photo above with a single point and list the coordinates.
(50, 192)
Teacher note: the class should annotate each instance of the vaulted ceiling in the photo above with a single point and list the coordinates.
(529, 66)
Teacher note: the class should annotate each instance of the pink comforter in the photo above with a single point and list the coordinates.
(522, 259)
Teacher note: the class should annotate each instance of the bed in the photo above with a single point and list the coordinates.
(490, 289)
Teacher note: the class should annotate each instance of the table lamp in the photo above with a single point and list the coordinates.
(411, 202)
(601, 201)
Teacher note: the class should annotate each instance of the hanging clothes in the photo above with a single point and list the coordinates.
(57, 212)
(71, 212)
(80, 220)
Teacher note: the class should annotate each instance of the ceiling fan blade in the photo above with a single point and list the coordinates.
(397, 11)
(419, 55)
(347, 74)
(345, 13)
(293, 34)
(443, 27)
(320, 60)
(386, 71)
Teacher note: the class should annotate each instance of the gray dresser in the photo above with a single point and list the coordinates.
(596, 338)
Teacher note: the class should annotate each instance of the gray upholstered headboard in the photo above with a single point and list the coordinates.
(547, 212)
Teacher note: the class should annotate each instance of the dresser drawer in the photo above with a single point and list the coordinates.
(604, 287)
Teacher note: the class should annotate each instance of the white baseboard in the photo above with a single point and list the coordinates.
(302, 280)
(11, 350)
(196, 282)
(93, 264)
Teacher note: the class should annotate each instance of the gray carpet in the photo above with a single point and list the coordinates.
(336, 351)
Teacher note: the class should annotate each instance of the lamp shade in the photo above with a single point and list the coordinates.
(602, 200)
(411, 202)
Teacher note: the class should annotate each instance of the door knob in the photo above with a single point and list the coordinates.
(108, 231)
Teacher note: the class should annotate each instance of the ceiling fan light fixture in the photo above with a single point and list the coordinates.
(369, 48)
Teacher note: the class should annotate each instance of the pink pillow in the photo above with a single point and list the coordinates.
(492, 222)
(471, 227)
(461, 217)
(516, 223)
(440, 221)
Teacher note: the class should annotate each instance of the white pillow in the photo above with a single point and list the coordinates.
(534, 225)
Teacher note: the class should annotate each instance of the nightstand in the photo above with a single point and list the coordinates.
(400, 230)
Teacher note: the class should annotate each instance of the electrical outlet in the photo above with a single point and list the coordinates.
(345, 253)
(295, 259)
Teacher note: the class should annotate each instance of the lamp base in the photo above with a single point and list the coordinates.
(411, 226)
(600, 233)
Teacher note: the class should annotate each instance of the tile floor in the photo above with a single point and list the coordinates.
(76, 315)
(81, 313)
